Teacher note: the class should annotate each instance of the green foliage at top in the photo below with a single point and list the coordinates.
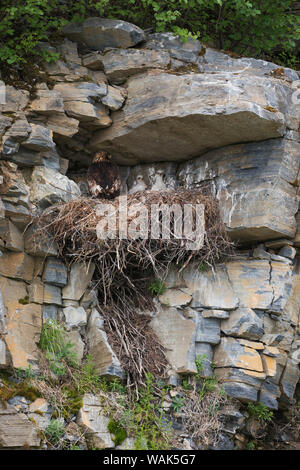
(255, 27)
(260, 411)
(57, 348)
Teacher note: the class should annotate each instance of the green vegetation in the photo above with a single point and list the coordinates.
(157, 287)
(256, 28)
(58, 350)
(177, 403)
(260, 411)
(54, 431)
(144, 418)
(119, 432)
(250, 445)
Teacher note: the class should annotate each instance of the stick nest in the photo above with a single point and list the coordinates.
(126, 267)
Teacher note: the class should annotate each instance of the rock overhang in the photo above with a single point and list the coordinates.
(189, 114)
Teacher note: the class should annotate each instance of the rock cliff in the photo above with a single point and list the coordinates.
(173, 115)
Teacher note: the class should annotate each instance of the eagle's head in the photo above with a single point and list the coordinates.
(101, 157)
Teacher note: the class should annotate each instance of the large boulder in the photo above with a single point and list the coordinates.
(99, 33)
(172, 117)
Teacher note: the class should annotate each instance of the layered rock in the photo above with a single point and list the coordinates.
(193, 108)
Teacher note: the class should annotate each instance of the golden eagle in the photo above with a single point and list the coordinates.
(103, 177)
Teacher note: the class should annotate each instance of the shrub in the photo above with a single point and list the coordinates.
(260, 411)
(254, 27)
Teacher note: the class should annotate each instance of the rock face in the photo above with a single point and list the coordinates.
(173, 115)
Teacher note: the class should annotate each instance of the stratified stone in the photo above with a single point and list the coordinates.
(177, 335)
(63, 125)
(99, 33)
(289, 380)
(261, 284)
(82, 91)
(288, 252)
(104, 358)
(74, 317)
(269, 364)
(4, 359)
(114, 99)
(52, 294)
(250, 377)
(210, 289)
(119, 64)
(75, 338)
(17, 266)
(230, 353)
(183, 51)
(15, 100)
(36, 291)
(94, 422)
(243, 323)
(37, 245)
(15, 194)
(244, 177)
(186, 112)
(55, 272)
(221, 314)
(49, 187)
(269, 394)
(40, 138)
(208, 330)
(23, 323)
(16, 430)
(175, 298)
(47, 102)
(242, 392)
(79, 277)
(50, 312)
(11, 237)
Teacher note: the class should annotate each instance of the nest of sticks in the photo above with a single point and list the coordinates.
(125, 267)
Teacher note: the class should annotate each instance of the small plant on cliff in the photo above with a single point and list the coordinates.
(260, 411)
(54, 431)
(57, 348)
(157, 287)
(117, 430)
(177, 403)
